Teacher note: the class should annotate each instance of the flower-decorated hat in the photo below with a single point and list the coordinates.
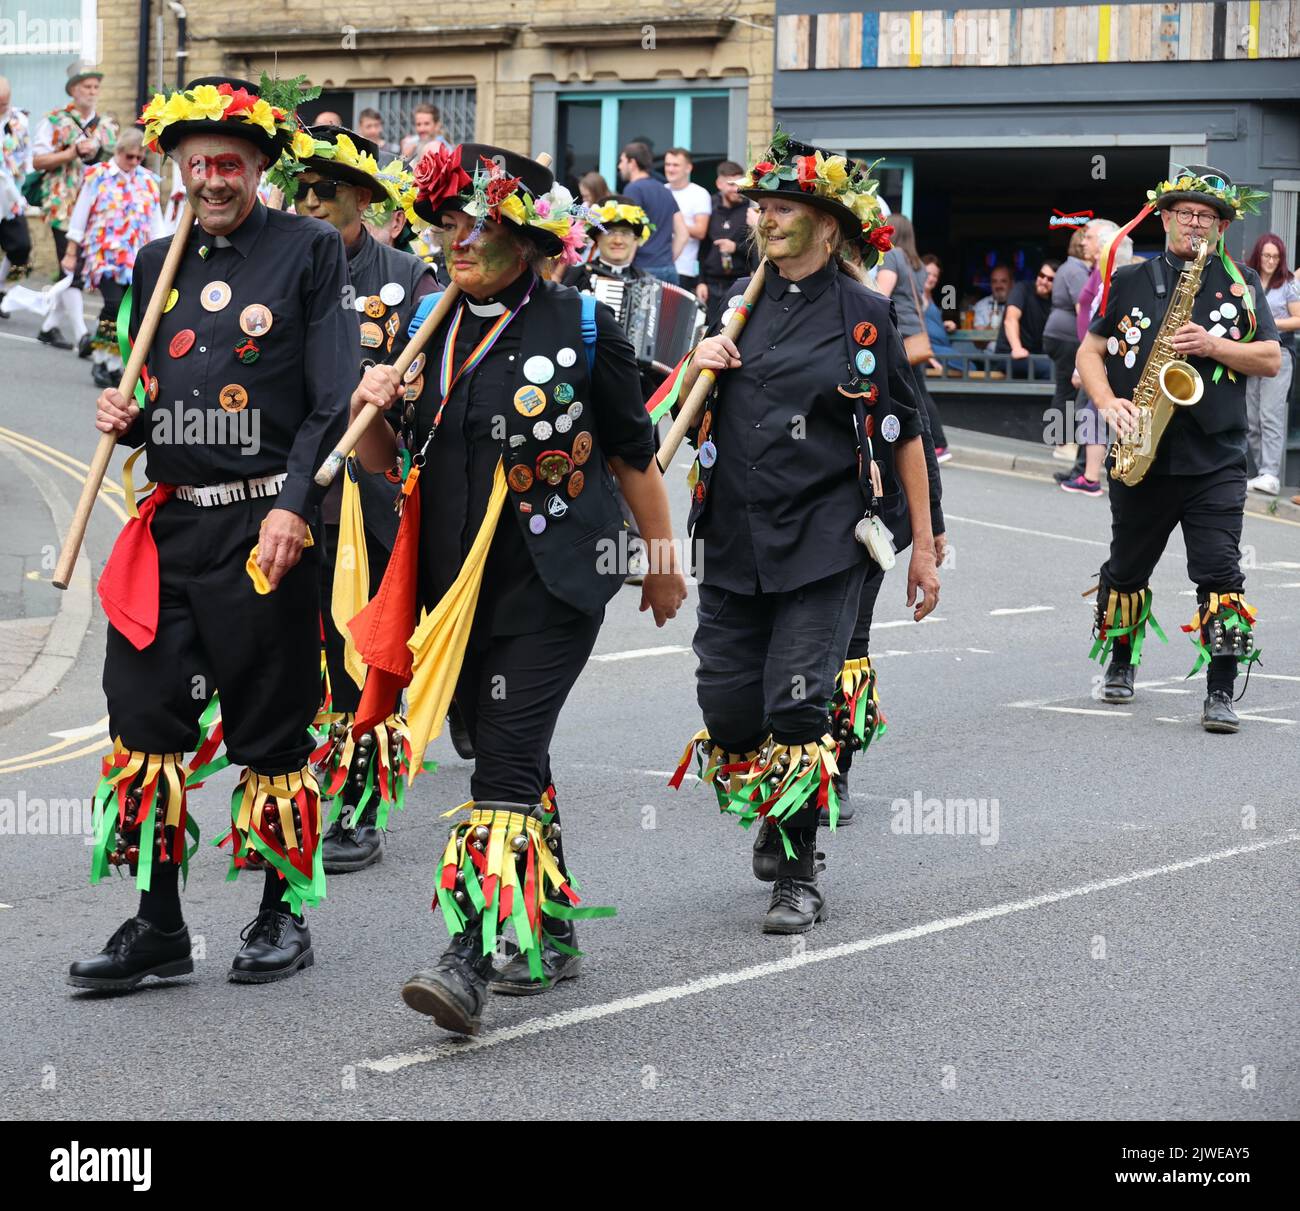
(1201, 183)
(807, 174)
(618, 211)
(339, 154)
(490, 183)
(261, 113)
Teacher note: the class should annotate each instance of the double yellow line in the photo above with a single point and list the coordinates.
(111, 494)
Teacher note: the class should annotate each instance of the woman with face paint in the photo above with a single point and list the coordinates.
(809, 439)
(511, 428)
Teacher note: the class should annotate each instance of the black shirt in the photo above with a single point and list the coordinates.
(1210, 434)
(727, 223)
(296, 391)
(1034, 310)
(457, 479)
(784, 495)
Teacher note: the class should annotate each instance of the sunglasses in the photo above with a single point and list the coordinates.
(324, 190)
(1048, 277)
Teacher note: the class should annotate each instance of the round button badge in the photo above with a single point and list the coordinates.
(171, 300)
(233, 398)
(415, 368)
(581, 448)
(530, 401)
(708, 454)
(374, 306)
(392, 293)
(181, 343)
(563, 393)
(889, 428)
(575, 409)
(255, 319)
(537, 523)
(556, 506)
(864, 333)
(865, 361)
(563, 423)
(1112, 346)
(566, 357)
(542, 430)
(520, 477)
(538, 369)
(575, 484)
(215, 296)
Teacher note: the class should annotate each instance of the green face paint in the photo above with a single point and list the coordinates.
(799, 237)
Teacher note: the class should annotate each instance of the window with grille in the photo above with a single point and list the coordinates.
(455, 105)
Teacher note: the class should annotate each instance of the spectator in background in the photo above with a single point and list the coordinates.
(118, 212)
(15, 164)
(1085, 476)
(937, 328)
(1028, 307)
(428, 132)
(327, 117)
(657, 254)
(727, 250)
(1060, 334)
(990, 309)
(370, 125)
(901, 278)
(593, 188)
(1267, 398)
(68, 141)
(695, 205)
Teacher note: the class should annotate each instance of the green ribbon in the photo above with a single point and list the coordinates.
(124, 344)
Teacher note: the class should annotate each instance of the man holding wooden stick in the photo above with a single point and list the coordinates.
(246, 391)
(800, 454)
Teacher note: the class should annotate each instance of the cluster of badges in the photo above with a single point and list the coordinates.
(1225, 316)
(551, 466)
(864, 365)
(1129, 330)
(376, 307)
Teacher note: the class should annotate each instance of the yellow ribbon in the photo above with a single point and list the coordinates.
(351, 576)
(439, 641)
(128, 484)
(260, 583)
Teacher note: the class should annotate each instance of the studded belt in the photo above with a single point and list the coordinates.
(211, 495)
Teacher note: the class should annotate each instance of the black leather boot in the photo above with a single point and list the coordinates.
(841, 781)
(516, 980)
(768, 851)
(347, 849)
(1217, 714)
(797, 902)
(138, 949)
(276, 944)
(1118, 686)
(454, 992)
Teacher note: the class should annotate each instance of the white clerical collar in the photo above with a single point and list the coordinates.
(619, 269)
(221, 241)
(793, 288)
(485, 308)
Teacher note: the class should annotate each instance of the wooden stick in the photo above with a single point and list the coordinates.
(130, 376)
(687, 413)
(333, 463)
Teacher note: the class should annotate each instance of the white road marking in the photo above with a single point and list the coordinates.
(1266, 719)
(1019, 610)
(726, 979)
(83, 733)
(637, 653)
(993, 525)
(905, 622)
(1082, 710)
(1290, 584)
(1278, 676)
(13, 336)
(1169, 690)
(928, 652)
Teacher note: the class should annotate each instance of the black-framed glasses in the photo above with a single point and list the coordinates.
(1193, 218)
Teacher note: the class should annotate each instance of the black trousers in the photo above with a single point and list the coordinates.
(768, 662)
(1210, 508)
(924, 398)
(1062, 354)
(345, 693)
(860, 642)
(510, 693)
(16, 241)
(262, 654)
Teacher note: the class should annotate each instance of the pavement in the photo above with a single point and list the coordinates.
(1113, 937)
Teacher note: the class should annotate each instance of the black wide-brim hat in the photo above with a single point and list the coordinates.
(269, 145)
(849, 223)
(536, 180)
(346, 172)
(1224, 209)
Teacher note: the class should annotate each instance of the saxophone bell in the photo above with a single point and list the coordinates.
(1181, 383)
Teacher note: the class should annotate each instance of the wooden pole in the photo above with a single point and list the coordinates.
(333, 463)
(130, 376)
(687, 413)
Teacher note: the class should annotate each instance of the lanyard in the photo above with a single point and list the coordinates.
(447, 380)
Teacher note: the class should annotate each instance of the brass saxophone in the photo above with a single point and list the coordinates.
(1167, 381)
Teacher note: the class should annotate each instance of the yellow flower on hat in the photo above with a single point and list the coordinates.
(863, 205)
(261, 115)
(835, 172)
(177, 109)
(345, 149)
(557, 227)
(513, 209)
(304, 146)
(207, 103)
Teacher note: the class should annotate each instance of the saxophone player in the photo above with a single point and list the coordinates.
(1155, 326)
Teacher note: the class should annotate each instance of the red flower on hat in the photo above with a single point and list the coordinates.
(761, 170)
(439, 175)
(240, 98)
(500, 188)
(807, 169)
(882, 238)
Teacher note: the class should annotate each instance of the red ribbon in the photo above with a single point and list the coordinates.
(128, 586)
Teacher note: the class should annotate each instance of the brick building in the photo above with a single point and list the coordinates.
(523, 75)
